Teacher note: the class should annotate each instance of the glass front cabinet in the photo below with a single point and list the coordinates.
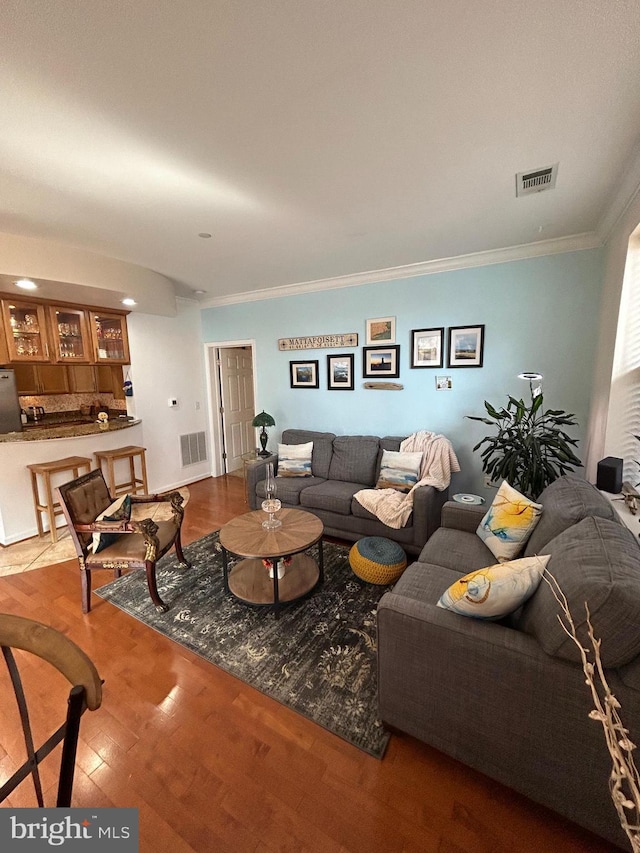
(109, 334)
(25, 328)
(70, 335)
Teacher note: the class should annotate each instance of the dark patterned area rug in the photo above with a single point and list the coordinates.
(318, 658)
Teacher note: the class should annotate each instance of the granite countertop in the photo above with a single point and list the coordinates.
(61, 426)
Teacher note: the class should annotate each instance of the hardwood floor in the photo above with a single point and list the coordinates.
(213, 765)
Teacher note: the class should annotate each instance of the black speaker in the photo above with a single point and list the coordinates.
(610, 475)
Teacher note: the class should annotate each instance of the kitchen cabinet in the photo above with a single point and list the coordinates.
(109, 380)
(82, 378)
(35, 331)
(27, 381)
(25, 329)
(32, 379)
(109, 335)
(69, 334)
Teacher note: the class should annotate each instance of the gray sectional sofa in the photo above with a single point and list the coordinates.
(509, 698)
(341, 465)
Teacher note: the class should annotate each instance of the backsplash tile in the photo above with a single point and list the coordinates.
(73, 402)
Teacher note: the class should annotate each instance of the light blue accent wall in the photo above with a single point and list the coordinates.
(539, 314)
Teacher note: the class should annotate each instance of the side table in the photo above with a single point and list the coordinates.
(251, 457)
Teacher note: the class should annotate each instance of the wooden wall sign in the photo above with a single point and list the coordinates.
(319, 342)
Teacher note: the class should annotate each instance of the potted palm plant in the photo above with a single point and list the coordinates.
(530, 448)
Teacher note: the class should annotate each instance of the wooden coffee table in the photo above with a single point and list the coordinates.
(249, 580)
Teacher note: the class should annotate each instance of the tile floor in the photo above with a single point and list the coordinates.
(41, 551)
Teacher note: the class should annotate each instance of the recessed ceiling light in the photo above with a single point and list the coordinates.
(129, 301)
(204, 235)
(26, 284)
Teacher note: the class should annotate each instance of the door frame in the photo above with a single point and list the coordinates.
(214, 400)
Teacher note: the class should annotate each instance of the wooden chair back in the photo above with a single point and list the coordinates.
(55, 648)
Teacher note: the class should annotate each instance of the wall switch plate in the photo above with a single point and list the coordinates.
(173, 402)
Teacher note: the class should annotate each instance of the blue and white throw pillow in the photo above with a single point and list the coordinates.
(294, 460)
(399, 470)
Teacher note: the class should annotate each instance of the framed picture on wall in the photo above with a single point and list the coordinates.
(381, 362)
(466, 346)
(381, 331)
(340, 372)
(426, 347)
(304, 374)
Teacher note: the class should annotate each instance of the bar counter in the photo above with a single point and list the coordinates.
(39, 442)
(47, 429)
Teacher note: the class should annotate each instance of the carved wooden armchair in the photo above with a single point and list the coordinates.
(128, 544)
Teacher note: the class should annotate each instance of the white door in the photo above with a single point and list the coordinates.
(236, 394)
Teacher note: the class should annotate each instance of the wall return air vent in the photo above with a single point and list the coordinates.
(536, 180)
(193, 448)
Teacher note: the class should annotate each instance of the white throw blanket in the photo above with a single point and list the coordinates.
(439, 461)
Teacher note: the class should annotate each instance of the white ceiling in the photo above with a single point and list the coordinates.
(312, 138)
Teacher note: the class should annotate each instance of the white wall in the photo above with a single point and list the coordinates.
(598, 445)
(624, 404)
(167, 361)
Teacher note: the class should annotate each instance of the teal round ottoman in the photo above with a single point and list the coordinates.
(375, 559)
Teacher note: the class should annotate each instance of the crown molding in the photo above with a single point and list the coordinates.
(573, 243)
(623, 198)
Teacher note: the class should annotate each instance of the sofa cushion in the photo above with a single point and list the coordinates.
(391, 442)
(566, 501)
(359, 511)
(354, 459)
(597, 562)
(289, 488)
(495, 591)
(294, 460)
(322, 448)
(424, 582)
(399, 471)
(457, 550)
(508, 522)
(333, 496)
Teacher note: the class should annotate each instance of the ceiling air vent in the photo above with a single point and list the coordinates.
(536, 180)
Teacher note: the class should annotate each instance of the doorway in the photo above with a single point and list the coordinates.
(231, 382)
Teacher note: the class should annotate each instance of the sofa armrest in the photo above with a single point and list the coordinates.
(255, 472)
(427, 510)
(462, 516)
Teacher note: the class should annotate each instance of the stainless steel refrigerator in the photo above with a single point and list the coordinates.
(9, 404)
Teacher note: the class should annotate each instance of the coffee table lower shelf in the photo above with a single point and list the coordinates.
(250, 582)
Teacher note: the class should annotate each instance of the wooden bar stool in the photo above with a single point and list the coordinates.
(134, 483)
(46, 469)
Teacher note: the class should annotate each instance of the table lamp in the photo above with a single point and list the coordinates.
(263, 420)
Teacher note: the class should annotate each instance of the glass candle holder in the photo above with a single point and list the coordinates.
(271, 506)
